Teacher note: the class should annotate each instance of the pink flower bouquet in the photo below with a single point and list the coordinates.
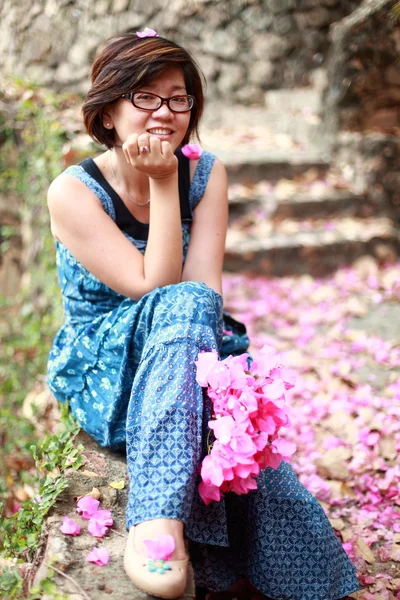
(248, 412)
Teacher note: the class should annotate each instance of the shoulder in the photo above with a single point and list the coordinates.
(69, 188)
(65, 183)
(216, 169)
(209, 174)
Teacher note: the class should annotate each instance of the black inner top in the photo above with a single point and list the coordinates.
(124, 218)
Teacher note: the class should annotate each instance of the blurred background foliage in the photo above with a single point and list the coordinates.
(33, 151)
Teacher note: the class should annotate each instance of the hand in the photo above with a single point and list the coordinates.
(158, 162)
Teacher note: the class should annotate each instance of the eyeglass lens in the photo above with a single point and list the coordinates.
(152, 102)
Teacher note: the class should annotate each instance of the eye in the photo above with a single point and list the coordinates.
(144, 96)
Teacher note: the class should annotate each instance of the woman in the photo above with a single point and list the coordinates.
(140, 236)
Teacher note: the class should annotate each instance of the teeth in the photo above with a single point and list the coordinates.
(160, 131)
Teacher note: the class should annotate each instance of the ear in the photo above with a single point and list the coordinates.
(107, 121)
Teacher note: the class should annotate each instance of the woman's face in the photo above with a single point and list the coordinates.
(162, 123)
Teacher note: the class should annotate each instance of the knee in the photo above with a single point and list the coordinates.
(197, 288)
(189, 299)
(198, 294)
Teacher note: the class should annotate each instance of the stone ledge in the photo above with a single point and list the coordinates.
(68, 553)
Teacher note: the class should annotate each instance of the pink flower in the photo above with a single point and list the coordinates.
(223, 428)
(98, 556)
(248, 410)
(243, 486)
(96, 529)
(69, 527)
(212, 470)
(204, 363)
(192, 151)
(348, 547)
(243, 471)
(147, 33)
(104, 517)
(266, 360)
(270, 458)
(87, 506)
(99, 522)
(209, 492)
(160, 548)
(248, 399)
(284, 447)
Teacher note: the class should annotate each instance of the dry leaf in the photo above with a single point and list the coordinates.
(365, 551)
(347, 535)
(95, 493)
(394, 584)
(117, 485)
(333, 463)
(342, 426)
(337, 524)
(395, 554)
(387, 448)
(90, 474)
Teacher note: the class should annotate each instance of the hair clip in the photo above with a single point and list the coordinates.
(147, 33)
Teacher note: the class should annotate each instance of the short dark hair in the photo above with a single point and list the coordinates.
(126, 63)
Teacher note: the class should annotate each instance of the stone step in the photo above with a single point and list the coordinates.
(67, 553)
(331, 203)
(280, 139)
(310, 246)
(272, 165)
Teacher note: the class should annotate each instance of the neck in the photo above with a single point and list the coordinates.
(133, 181)
(131, 184)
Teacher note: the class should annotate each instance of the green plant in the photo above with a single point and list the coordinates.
(12, 584)
(52, 456)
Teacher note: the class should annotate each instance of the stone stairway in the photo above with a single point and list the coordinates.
(291, 210)
(304, 232)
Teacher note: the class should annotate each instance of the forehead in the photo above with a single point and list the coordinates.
(171, 77)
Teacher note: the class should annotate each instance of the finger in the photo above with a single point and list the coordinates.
(143, 143)
(130, 148)
(155, 145)
(166, 149)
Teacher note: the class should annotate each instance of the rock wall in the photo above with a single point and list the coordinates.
(363, 70)
(245, 47)
(362, 100)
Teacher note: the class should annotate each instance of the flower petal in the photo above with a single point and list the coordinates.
(69, 527)
(87, 506)
(160, 548)
(98, 556)
(192, 151)
(147, 32)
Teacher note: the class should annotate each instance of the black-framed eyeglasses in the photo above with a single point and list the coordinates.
(148, 101)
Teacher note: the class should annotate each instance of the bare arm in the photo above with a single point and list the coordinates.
(78, 220)
(207, 239)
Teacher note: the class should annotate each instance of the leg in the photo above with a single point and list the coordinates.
(165, 414)
(281, 540)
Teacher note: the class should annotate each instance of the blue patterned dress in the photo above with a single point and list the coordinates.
(127, 369)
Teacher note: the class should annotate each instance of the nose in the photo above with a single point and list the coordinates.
(164, 110)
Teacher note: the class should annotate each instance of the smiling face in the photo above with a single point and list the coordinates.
(162, 123)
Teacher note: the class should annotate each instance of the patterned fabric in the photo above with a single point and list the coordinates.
(127, 369)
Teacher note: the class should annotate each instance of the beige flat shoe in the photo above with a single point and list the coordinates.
(161, 578)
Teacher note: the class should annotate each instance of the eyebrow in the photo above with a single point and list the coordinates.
(176, 87)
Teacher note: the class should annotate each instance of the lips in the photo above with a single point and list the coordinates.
(160, 131)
